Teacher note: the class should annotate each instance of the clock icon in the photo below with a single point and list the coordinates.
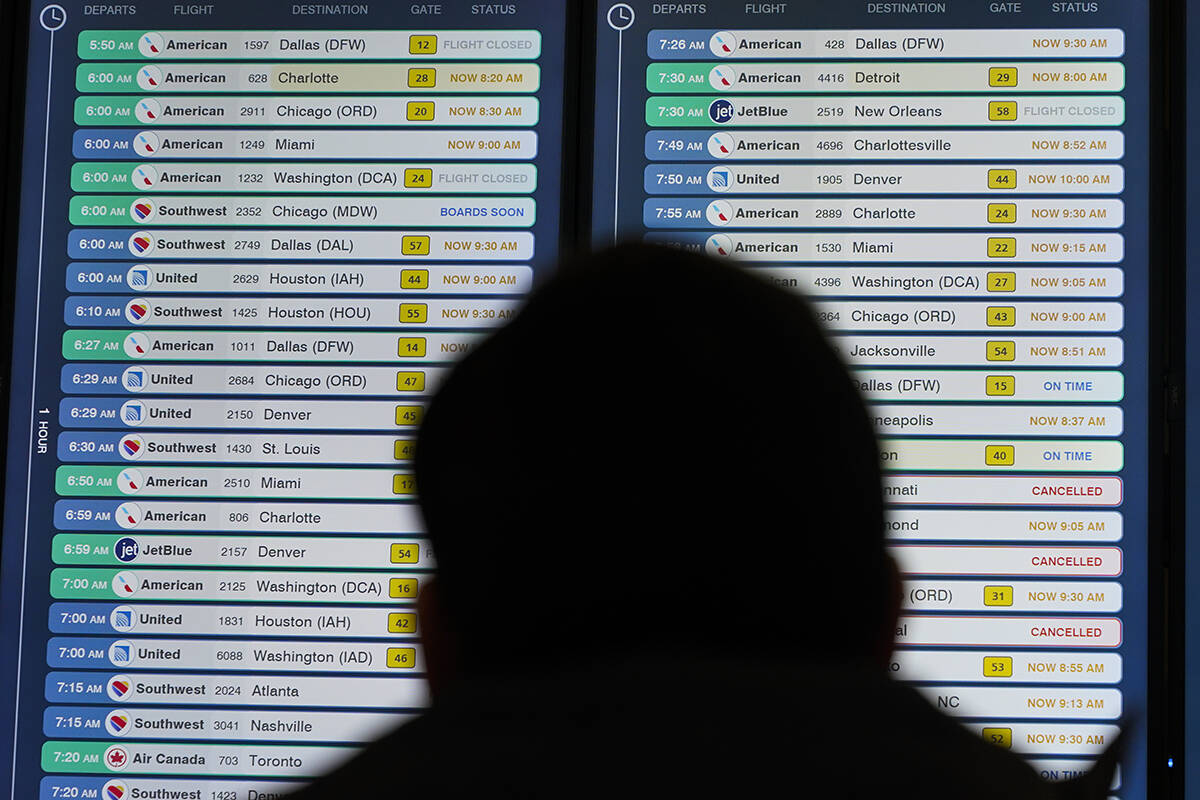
(620, 17)
(53, 17)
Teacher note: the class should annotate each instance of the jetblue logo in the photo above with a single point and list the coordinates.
(720, 111)
(126, 549)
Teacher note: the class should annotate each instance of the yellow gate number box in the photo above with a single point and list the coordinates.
(997, 666)
(1001, 737)
(1002, 213)
(410, 381)
(1002, 110)
(422, 78)
(1002, 179)
(413, 278)
(419, 110)
(418, 178)
(414, 245)
(403, 484)
(999, 455)
(402, 623)
(422, 45)
(1001, 351)
(1003, 77)
(402, 587)
(411, 346)
(401, 657)
(1001, 316)
(1001, 247)
(408, 415)
(414, 312)
(1002, 281)
(997, 595)
(1001, 385)
(405, 449)
(406, 552)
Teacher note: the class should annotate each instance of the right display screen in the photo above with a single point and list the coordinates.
(963, 192)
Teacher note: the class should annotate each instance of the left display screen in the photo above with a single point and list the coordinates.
(252, 236)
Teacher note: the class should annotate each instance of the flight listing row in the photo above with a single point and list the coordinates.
(355, 483)
(1036, 455)
(147, 516)
(925, 316)
(371, 279)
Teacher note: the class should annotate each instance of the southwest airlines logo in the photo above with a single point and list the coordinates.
(132, 447)
(115, 790)
(142, 209)
(118, 723)
(120, 687)
(141, 243)
(136, 311)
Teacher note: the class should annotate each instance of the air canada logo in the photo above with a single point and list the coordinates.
(720, 111)
(116, 758)
(115, 790)
(126, 549)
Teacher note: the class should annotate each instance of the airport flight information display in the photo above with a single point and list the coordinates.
(253, 235)
(962, 189)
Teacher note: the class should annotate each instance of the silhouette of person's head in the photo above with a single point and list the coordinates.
(658, 452)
